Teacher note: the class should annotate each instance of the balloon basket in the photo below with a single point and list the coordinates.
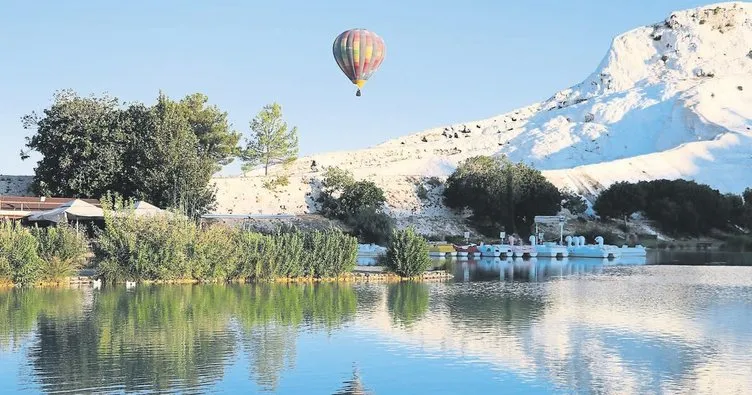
(357, 93)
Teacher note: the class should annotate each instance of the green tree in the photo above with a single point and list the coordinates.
(501, 193)
(271, 143)
(165, 153)
(407, 254)
(620, 200)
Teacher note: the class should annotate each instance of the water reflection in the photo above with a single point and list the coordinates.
(528, 270)
(519, 326)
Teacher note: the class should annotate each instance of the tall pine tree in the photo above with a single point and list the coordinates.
(271, 143)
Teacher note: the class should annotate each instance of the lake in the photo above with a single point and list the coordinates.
(501, 326)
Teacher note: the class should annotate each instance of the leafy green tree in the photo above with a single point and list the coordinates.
(271, 143)
(165, 153)
(620, 200)
(357, 203)
(407, 254)
(81, 143)
(359, 196)
(501, 193)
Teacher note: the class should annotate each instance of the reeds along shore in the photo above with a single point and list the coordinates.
(170, 248)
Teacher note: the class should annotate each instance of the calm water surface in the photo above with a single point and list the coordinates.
(502, 326)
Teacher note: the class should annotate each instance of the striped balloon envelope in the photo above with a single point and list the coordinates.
(359, 53)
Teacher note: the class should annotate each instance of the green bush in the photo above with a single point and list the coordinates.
(372, 226)
(19, 259)
(62, 250)
(407, 254)
(216, 254)
(172, 247)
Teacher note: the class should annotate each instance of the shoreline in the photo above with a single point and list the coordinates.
(361, 274)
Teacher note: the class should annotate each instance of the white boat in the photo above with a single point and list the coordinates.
(637, 250)
(504, 249)
(524, 251)
(577, 248)
(371, 250)
(489, 250)
(551, 250)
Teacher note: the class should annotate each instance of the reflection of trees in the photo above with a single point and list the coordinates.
(407, 301)
(20, 310)
(494, 309)
(154, 336)
(272, 349)
(271, 314)
(166, 337)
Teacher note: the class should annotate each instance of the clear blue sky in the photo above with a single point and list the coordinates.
(446, 62)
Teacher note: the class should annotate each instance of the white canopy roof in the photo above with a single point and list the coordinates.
(71, 211)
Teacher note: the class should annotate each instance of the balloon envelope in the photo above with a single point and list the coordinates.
(359, 53)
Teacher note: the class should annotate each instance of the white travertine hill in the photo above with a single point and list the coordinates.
(670, 100)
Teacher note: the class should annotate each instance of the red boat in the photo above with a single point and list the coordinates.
(465, 250)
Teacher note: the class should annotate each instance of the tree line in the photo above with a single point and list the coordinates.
(164, 153)
(678, 206)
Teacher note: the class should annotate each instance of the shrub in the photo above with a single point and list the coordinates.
(62, 250)
(407, 254)
(276, 182)
(19, 259)
(422, 192)
(171, 247)
(216, 253)
(144, 248)
(372, 226)
(573, 202)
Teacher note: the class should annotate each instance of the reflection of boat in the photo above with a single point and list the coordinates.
(631, 260)
(578, 248)
(372, 250)
(441, 249)
(551, 250)
(637, 250)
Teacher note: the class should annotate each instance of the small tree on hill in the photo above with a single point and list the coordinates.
(573, 202)
(271, 143)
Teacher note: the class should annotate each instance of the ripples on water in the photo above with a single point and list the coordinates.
(500, 327)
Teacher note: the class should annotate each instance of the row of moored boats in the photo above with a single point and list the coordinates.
(575, 247)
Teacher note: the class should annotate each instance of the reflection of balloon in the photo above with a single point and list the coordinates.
(359, 53)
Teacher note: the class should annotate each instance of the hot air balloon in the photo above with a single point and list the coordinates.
(359, 54)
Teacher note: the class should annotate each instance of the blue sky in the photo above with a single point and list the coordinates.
(446, 62)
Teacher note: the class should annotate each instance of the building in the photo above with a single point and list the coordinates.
(17, 207)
